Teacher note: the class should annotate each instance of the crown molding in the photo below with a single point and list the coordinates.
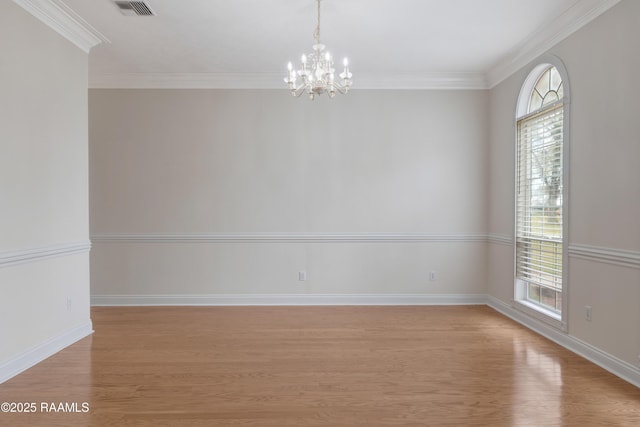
(425, 81)
(186, 81)
(273, 81)
(574, 18)
(64, 21)
(540, 42)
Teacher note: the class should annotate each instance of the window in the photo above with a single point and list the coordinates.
(540, 224)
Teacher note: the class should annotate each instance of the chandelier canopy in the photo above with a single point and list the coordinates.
(317, 75)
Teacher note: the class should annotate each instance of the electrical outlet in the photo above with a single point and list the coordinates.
(68, 303)
(587, 313)
(302, 276)
(433, 276)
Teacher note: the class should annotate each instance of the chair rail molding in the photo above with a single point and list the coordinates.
(619, 257)
(21, 256)
(500, 239)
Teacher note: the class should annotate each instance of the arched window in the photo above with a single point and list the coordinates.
(540, 220)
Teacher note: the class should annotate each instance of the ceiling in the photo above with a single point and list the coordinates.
(390, 43)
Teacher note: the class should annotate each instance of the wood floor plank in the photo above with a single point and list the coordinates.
(318, 366)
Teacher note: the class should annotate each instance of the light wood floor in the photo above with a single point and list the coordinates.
(319, 366)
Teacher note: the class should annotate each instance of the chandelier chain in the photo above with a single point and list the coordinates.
(316, 33)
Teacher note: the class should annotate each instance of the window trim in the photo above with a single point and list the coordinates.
(522, 107)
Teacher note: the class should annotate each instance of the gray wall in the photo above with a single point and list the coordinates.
(186, 184)
(604, 181)
(203, 162)
(44, 232)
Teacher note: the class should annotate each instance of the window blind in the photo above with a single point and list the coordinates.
(539, 199)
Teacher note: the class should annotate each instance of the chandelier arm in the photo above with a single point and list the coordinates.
(340, 88)
(297, 92)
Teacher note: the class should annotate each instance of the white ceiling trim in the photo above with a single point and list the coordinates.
(566, 24)
(275, 81)
(64, 21)
(420, 81)
(187, 81)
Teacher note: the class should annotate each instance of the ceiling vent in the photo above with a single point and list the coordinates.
(134, 8)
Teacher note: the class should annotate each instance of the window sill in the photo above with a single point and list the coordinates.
(549, 317)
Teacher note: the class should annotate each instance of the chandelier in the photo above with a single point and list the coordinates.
(317, 75)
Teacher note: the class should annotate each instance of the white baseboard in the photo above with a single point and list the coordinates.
(40, 352)
(606, 361)
(618, 367)
(287, 299)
